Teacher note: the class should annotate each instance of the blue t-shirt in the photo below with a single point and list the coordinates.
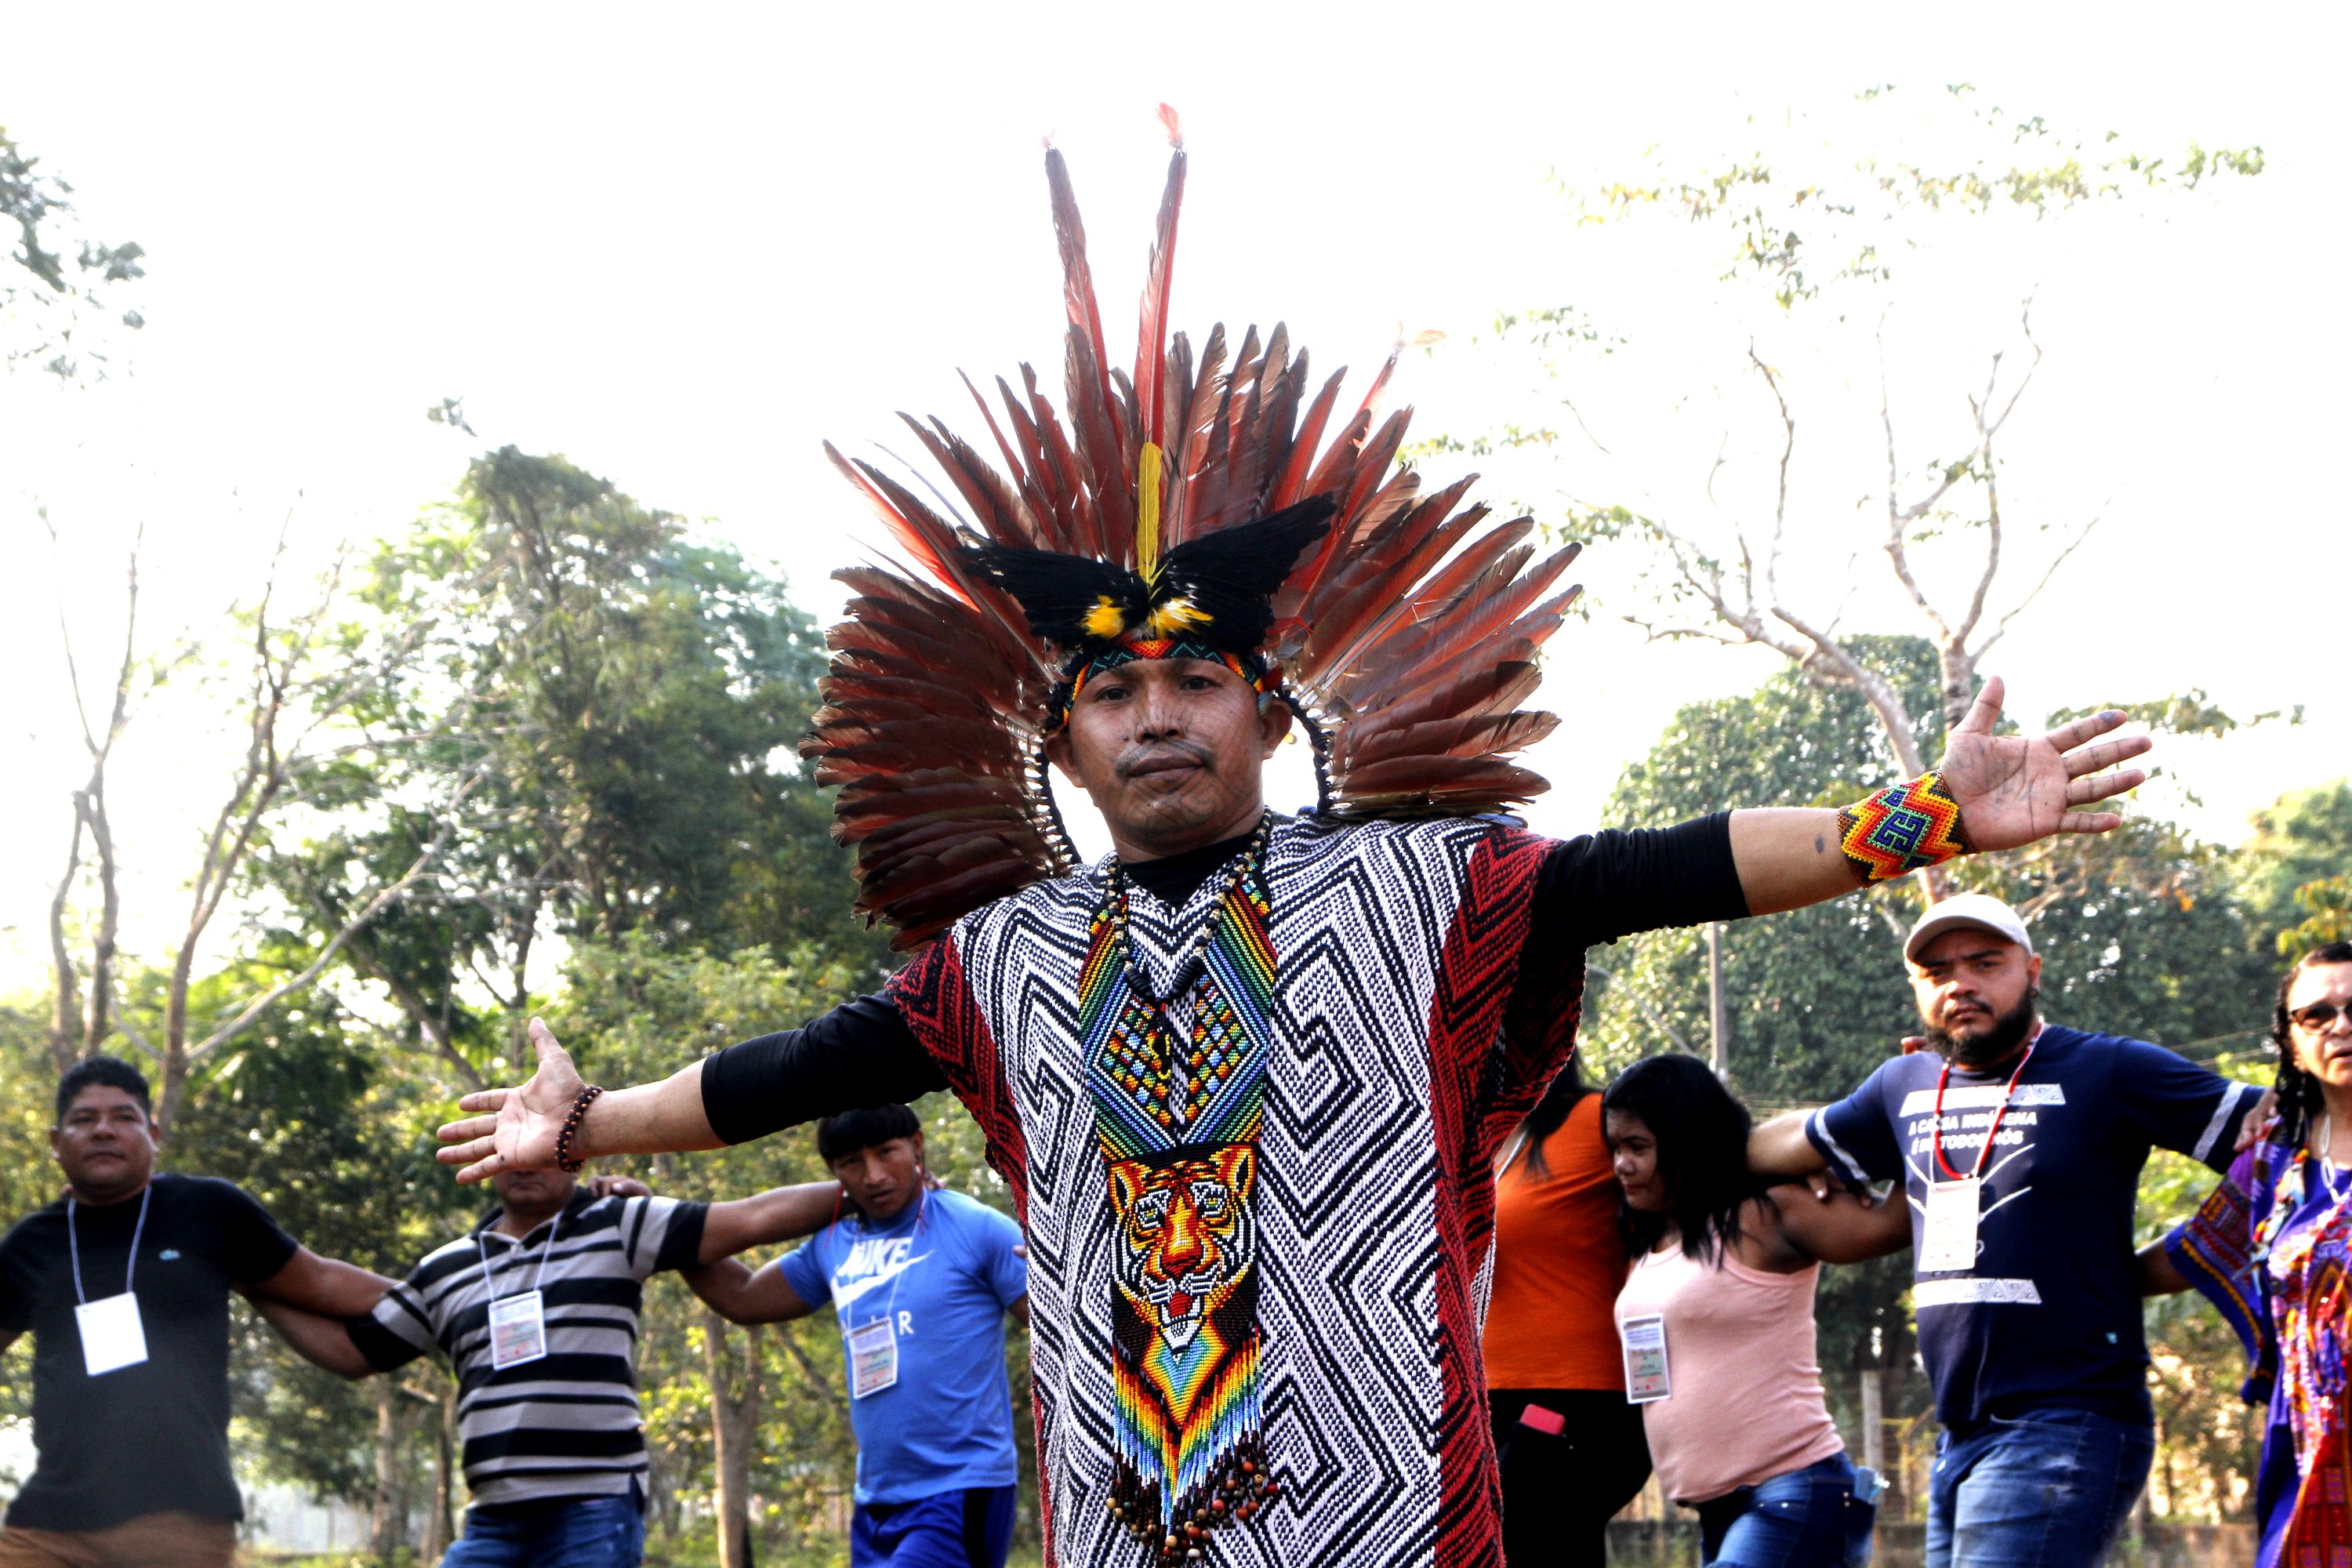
(942, 1276)
(2051, 1313)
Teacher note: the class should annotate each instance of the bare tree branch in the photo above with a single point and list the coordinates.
(1780, 488)
(2034, 593)
(385, 896)
(1656, 1019)
(1899, 518)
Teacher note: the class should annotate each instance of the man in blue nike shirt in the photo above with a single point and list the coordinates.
(919, 1281)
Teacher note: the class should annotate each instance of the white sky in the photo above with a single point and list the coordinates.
(680, 245)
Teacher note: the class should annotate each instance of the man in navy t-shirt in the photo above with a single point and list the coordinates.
(919, 1281)
(2019, 1145)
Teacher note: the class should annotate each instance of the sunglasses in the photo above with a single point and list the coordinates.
(2318, 1016)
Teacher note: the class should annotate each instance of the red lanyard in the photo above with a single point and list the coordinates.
(1935, 1137)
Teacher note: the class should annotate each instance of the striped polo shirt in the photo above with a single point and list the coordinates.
(566, 1424)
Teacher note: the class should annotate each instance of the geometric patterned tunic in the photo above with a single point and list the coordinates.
(1406, 1044)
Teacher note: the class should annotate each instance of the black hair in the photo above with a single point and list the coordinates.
(1568, 1087)
(855, 1130)
(2299, 1094)
(1702, 1150)
(112, 1072)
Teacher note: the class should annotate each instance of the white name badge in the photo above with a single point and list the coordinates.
(518, 1330)
(112, 1337)
(1948, 1242)
(1646, 1377)
(873, 1358)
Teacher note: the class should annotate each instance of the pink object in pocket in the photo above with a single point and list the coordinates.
(1547, 1422)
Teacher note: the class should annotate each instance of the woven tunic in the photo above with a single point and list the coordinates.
(1406, 1043)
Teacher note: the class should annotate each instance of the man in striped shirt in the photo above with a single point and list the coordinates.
(537, 1309)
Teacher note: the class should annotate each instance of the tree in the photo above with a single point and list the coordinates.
(63, 281)
(635, 696)
(2291, 871)
(1808, 245)
(306, 693)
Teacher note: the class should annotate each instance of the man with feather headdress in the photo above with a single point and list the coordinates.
(1246, 1075)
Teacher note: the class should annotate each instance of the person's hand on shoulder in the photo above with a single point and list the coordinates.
(617, 1187)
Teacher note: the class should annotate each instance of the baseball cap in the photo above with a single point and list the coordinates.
(1982, 910)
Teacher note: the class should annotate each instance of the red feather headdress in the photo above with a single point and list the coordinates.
(1407, 635)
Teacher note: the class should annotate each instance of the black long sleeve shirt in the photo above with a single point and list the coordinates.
(1593, 888)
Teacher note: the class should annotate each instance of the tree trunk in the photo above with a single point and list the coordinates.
(385, 1525)
(734, 1418)
(440, 1525)
(66, 1013)
(1718, 1002)
(1874, 1421)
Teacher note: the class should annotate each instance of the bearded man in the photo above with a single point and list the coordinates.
(2019, 1145)
(1246, 1075)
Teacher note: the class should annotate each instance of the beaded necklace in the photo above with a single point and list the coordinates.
(1178, 1111)
(1251, 860)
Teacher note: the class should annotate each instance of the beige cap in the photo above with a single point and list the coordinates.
(1982, 910)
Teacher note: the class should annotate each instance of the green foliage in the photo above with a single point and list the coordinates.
(2327, 907)
(2292, 872)
(619, 703)
(58, 278)
(1801, 229)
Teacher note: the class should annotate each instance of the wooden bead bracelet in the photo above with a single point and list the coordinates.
(564, 1160)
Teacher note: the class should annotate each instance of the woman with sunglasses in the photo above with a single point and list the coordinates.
(1716, 1321)
(2271, 1247)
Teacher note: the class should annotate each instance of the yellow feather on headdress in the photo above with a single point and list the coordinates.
(1106, 620)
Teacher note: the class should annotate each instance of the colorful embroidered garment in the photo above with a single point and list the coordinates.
(1179, 1096)
(2280, 1283)
(1287, 1272)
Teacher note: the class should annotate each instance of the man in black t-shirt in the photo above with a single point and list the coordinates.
(124, 1283)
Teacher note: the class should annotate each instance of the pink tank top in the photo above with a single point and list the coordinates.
(1747, 1403)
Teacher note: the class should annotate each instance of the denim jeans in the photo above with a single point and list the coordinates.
(579, 1532)
(1805, 1519)
(2044, 1489)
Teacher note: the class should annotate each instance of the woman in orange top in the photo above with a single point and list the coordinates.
(1572, 1449)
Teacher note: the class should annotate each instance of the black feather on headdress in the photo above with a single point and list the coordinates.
(1215, 588)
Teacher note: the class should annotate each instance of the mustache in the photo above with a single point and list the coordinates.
(1192, 752)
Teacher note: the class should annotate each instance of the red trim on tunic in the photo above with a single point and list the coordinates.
(946, 1019)
(1480, 1088)
(938, 1003)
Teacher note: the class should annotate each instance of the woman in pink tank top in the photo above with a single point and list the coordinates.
(1716, 1321)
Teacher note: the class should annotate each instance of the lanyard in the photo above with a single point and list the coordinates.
(491, 1285)
(1935, 1137)
(73, 1244)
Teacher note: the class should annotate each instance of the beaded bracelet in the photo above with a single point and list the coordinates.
(1903, 827)
(564, 1160)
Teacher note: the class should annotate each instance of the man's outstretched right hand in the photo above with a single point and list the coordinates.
(518, 1129)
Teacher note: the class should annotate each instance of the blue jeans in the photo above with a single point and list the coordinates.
(969, 1528)
(577, 1533)
(1805, 1519)
(2044, 1489)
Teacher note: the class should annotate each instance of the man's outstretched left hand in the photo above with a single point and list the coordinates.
(2018, 789)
